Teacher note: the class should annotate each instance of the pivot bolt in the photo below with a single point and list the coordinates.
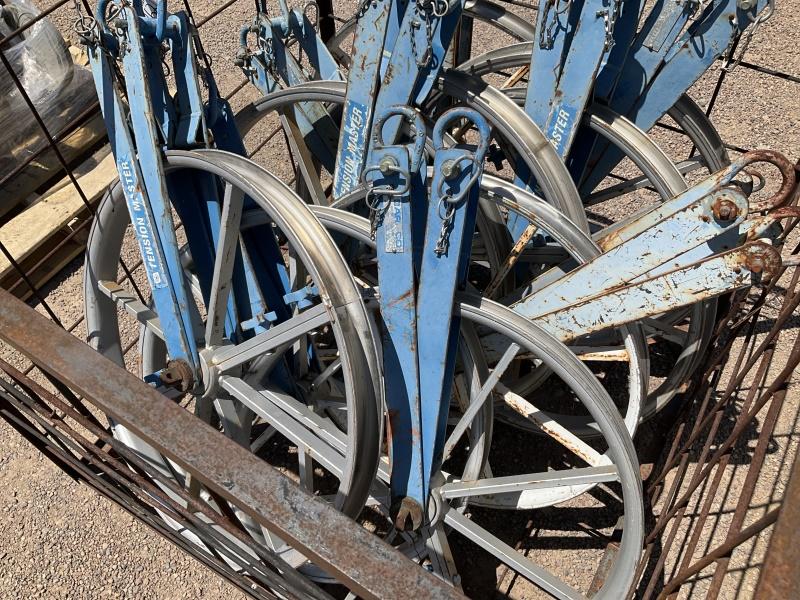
(725, 209)
(178, 375)
(746, 4)
(451, 169)
(387, 165)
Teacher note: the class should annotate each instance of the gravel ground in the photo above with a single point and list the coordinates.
(60, 539)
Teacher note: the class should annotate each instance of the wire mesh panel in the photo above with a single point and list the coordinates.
(715, 490)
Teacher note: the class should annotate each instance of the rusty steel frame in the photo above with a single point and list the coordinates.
(361, 561)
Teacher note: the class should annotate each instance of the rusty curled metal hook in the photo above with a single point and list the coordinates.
(788, 172)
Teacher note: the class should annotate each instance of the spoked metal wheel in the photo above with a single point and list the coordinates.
(631, 393)
(682, 336)
(258, 385)
(495, 242)
(476, 481)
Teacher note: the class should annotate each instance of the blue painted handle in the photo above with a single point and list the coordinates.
(100, 14)
(160, 20)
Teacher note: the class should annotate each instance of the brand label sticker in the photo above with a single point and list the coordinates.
(351, 159)
(393, 225)
(142, 226)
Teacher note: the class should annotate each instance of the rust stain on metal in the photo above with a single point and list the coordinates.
(724, 209)
(763, 259)
(575, 445)
(788, 173)
(365, 563)
(612, 240)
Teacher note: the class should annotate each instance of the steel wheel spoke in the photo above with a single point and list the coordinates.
(531, 481)
(223, 264)
(510, 557)
(233, 424)
(289, 331)
(306, 441)
(329, 372)
(264, 364)
(305, 162)
(440, 554)
(665, 331)
(477, 404)
(133, 306)
(551, 427)
(263, 438)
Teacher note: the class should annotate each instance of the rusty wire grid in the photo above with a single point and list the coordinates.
(729, 417)
(730, 409)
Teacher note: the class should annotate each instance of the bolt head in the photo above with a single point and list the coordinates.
(387, 164)
(725, 209)
(450, 169)
(746, 4)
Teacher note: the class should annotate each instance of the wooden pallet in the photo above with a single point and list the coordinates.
(75, 144)
(51, 233)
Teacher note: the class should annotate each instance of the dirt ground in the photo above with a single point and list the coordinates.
(59, 539)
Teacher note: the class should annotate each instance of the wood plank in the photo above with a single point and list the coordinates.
(33, 234)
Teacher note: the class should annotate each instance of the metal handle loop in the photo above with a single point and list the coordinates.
(484, 131)
(476, 158)
(414, 118)
(385, 190)
(786, 168)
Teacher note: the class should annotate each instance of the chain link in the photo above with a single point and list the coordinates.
(378, 205)
(547, 33)
(730, 63)
(610, 23)
(426, 11)
(447, 213)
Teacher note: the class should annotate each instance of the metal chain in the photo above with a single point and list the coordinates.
(425, 10)
(547, 33)
(447, 213)
(610, 23)
(749, 32)
(377, 204)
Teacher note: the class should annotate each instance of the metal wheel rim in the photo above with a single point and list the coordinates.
(344, 298)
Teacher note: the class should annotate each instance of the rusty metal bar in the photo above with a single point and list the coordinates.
(364, 563)
(722, 551)
(780, 575)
